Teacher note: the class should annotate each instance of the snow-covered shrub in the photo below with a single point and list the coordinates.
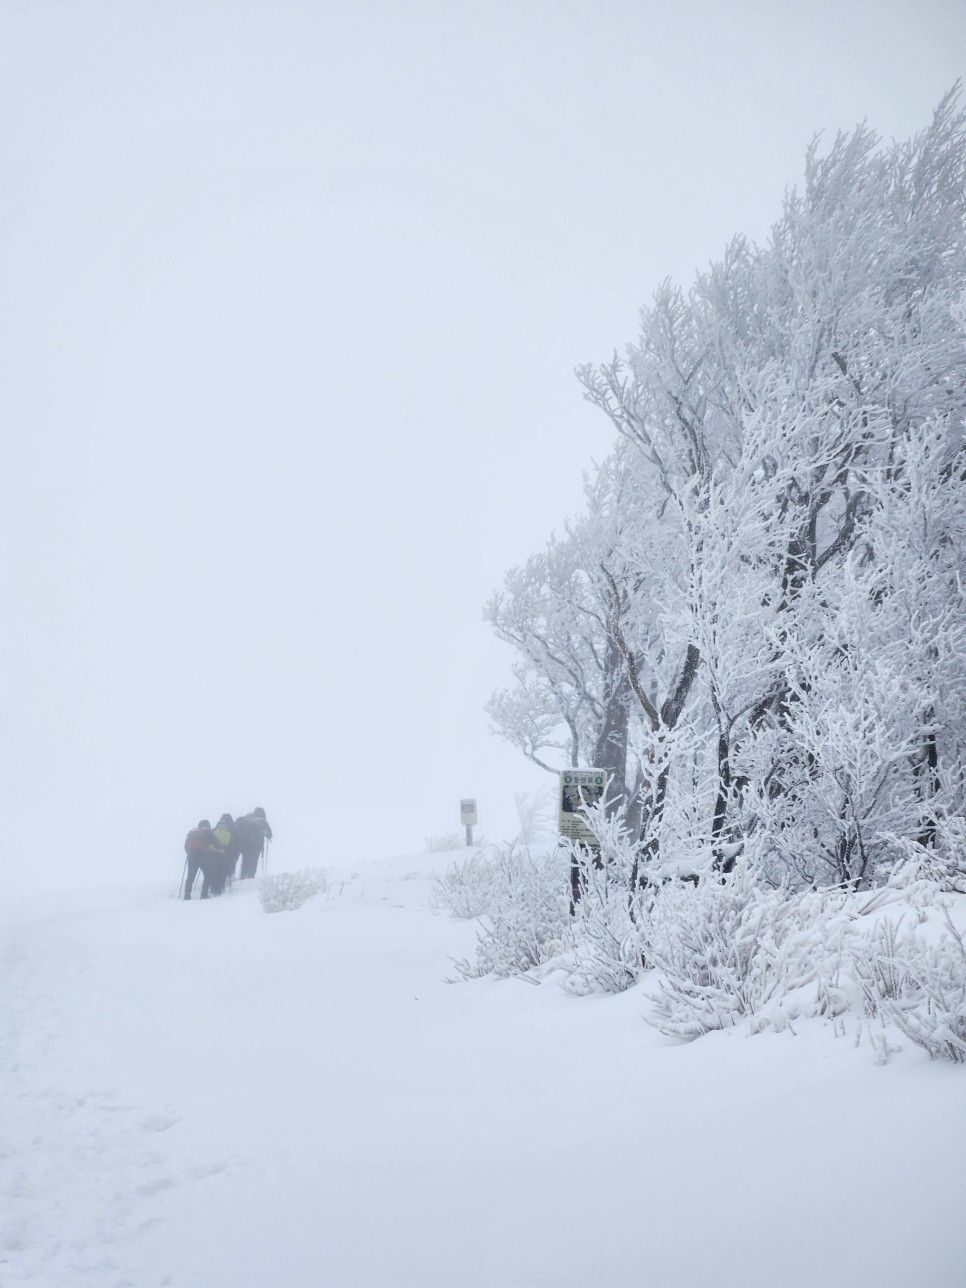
(734, 948)
(445, 841)
(731, 947)
(467, 889)
(606, 943)
(285, 891)
(944, 862)
(919, 987)
(606, 947)
(527, 914)
(950, 853)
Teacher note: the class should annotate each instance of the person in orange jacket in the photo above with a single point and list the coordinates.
(199, 846)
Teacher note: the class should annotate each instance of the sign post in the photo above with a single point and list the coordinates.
(579, 788)
(468, 818)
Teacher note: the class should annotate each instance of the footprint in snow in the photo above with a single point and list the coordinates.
(204, 1170)
(159, 1122)
(156, 1186)
(150, 1223)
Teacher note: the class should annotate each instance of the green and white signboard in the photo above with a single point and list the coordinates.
(578, 789)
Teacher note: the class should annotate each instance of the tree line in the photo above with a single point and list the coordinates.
(757, 623)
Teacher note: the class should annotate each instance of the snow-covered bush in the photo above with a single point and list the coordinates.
(467, 889)
(523, 901)
(445, 841)
(606, 949)
(285, 891)
(724, 950)
(950, 853)
(731, 947)
(527, 913)
(919, 987)
(945, 861)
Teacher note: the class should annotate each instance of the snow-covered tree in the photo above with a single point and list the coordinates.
(573, 699)
(758, 624)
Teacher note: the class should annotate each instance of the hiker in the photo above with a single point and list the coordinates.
(253, 831)
(199, 846)
(225, 853)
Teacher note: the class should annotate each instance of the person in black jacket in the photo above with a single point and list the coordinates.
(252, 831)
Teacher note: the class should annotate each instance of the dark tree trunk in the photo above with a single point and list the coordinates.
(610, 750)
(724, 863)
(927, 775)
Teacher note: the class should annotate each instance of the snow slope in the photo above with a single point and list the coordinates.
(201, 1095)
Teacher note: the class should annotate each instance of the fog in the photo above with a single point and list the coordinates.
(292, 298)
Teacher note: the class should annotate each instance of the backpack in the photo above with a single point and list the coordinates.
(222, 836)
(199, 838)
(249, 833)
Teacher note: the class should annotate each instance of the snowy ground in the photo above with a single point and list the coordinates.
(204, 1096)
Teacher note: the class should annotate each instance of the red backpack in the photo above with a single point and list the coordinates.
(199, 838)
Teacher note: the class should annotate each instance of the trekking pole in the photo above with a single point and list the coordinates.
(184, 873)
(265, 858)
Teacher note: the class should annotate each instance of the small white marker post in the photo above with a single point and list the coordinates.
(468, 818)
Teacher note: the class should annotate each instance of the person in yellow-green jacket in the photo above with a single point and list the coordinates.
(225, 846)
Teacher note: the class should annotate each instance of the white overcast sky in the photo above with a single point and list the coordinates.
(292, 297)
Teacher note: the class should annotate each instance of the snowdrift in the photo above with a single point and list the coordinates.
(202, 1095)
